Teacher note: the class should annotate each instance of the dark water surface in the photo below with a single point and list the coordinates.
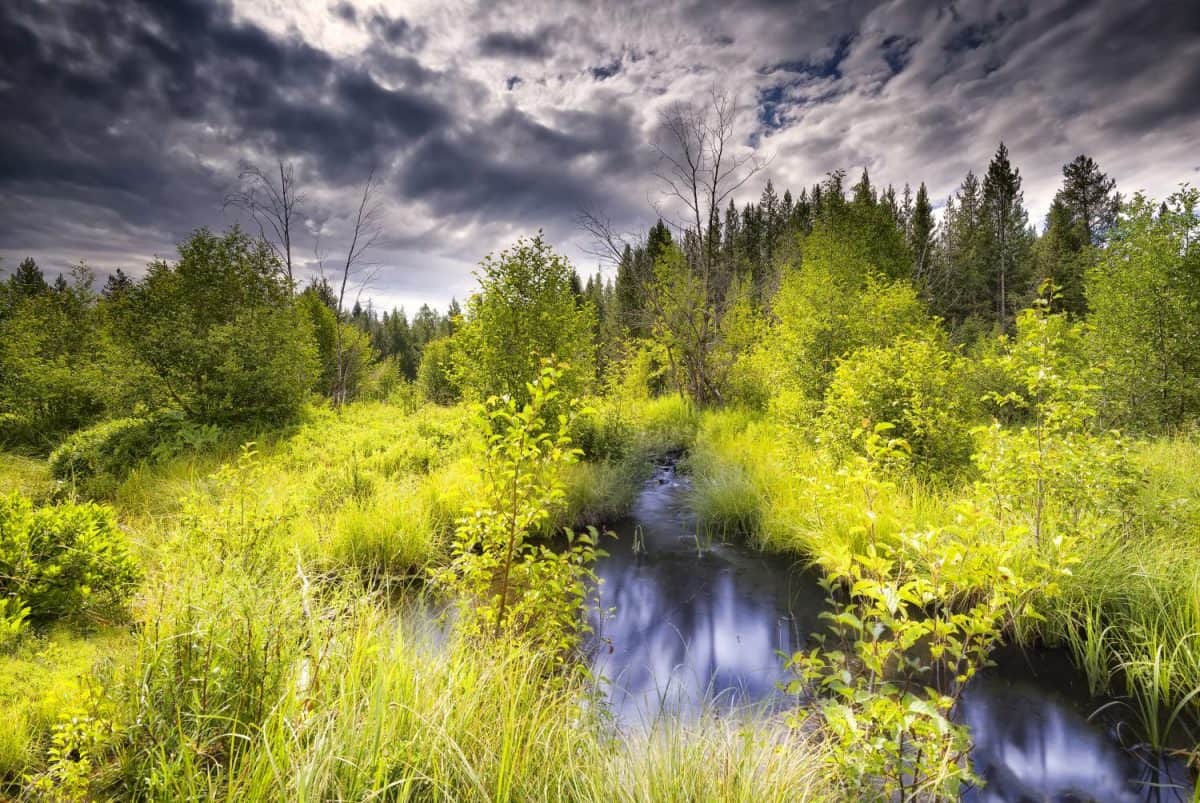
(690, 626)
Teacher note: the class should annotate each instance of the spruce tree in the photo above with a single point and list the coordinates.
(1008, 237)
(628, 292)
(1063, 257)
(920, 231)
(27, 280)
(1088, 196)
(116, 285)
(863, 194)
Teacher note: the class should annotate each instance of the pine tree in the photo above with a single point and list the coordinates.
(906, 210)
(863, 194)
(957, 288)
(802, 216)
(920, 231)
(1007, 229)
(1063, 257)
(771, 223)
(1088, 196)
(628, 293)
(890, 203)
(27, 280)
(577, 288)
(731, 235)
(116, 285)
(657, 242)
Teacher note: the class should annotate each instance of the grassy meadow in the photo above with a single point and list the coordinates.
(282, 645)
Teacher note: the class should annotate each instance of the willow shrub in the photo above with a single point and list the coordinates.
(913, 618)
(912, 384)
(510, 587)
(67, 561)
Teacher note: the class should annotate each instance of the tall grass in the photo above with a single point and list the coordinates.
(404, 717)
(760, 479)
(253, 680)
(1129, 610)
(26, 475)
(46, 675)
(267, 665)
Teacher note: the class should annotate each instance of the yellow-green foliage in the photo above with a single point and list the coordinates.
(664, 424)
(523, 313)
(508, 587)
(435, 377)
(367, 488)
(727, 490)
(390, 712)
(27, 476)
(1132, 607)
(643, 373)
(253, 676)
(64, 561)
(825, 312)
(599, 493)
(44, 677)
(911, 384)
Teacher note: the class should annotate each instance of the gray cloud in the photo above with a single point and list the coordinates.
(509, 44)
(128, 121)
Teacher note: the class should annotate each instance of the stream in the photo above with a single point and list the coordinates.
(686, 627)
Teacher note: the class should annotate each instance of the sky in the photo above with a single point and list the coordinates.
(126, 122)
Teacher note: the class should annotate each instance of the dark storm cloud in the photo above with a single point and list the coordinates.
(126, 120)
(153, 64)
(606, 70)
(516, 166)
(509, 44)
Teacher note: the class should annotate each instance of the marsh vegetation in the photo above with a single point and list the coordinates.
(255, 545)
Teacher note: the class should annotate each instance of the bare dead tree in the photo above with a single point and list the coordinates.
(363, 236)
(700, 167)
(272, 204)
(605, 243)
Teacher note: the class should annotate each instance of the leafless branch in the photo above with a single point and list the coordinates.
(606, 243)
(365, 233)
(272, 204)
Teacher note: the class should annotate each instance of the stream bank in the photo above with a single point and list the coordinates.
(687, 626)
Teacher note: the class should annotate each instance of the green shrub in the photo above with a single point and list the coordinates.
(14, 620)
(911, 384)
(219, 331)
(109, 447)
(912, 619)
(524, 312)
(510, 588)
(68, 561)
(602, 433)
(52, 366)
(96, 459)
(435, 377)
(644, 372)
(825, 312)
